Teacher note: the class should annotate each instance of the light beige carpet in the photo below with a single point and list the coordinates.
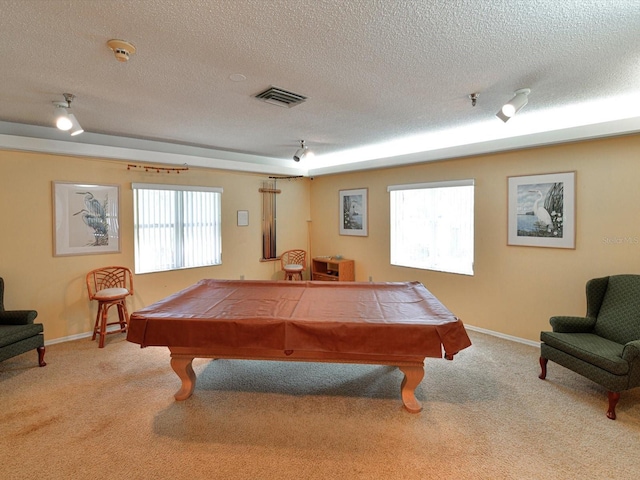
(109, 413)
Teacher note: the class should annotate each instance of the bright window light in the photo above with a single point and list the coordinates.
(176, 227)
(432, 226)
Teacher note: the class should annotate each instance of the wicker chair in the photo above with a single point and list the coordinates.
(294, 263)
(110, 286)
(604, 346)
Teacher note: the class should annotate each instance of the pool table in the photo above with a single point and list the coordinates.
(391, 323)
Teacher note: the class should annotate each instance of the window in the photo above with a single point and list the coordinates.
(432, 226)
(176, 227)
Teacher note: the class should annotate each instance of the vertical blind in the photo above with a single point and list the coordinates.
(432, 226)
(176, 227)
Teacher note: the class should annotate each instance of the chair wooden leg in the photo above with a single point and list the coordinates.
(613, 401)
(96, 325)
(41, 361)
(543, 367)
(123, 316)
(102, 320)
(103, 325)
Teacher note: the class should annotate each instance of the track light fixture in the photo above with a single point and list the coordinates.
(64, 119)
(63, 122)
(76, 129)
(520, 99)
(301, 152)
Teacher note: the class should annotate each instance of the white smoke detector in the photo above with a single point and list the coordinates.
(122, 50)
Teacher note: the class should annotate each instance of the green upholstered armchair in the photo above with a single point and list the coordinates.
(18, 333)
(604, 346)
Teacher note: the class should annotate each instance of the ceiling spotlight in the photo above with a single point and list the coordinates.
(63, 122)
(520, 99)
(64, 119)
(301, 152)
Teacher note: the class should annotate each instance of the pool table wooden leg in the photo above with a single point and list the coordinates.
(412, 378)
(183, 368)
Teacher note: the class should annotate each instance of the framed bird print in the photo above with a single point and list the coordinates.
(542, 210)
(85, 219)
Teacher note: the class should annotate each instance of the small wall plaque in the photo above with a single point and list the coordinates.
(243, 218)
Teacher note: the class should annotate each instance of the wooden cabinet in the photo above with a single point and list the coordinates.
(332, 269)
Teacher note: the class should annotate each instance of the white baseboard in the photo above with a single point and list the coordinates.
(503, 335)
(68, 339)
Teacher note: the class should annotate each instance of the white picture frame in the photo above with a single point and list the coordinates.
(243, 218)
(85, 219)
(542, 210)
(354, 215)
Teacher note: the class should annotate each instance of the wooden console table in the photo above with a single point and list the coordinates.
(332, 269)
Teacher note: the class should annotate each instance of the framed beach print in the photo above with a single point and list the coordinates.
(353, 212)
(542, 210)
(85, 219)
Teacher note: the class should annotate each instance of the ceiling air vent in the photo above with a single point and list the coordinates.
(280, 97)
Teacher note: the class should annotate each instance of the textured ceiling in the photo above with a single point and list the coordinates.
(374, 71)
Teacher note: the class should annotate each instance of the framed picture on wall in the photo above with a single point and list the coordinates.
(542, 210)
(85, 219)
(243, 218)
(353, 212)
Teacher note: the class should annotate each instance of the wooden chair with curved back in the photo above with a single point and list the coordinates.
(110, 286)
(294, 263)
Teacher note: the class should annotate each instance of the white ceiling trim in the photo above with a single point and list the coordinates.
(146, 151)
(573, 134)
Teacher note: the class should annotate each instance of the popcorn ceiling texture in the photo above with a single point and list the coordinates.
(373, 70)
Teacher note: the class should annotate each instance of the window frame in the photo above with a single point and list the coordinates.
(177, 227)
(425, 263)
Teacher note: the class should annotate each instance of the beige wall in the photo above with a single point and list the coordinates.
(35, 279)
(515, 289)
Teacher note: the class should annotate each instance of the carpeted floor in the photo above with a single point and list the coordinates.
(109, 413)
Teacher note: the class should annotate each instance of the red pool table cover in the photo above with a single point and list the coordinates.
(334, 317)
